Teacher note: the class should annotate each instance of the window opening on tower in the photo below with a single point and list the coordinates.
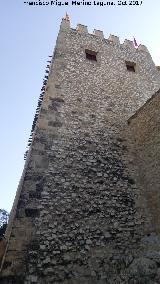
(91, 55)
(130, 66)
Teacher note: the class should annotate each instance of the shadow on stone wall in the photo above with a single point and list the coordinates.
(144, 143)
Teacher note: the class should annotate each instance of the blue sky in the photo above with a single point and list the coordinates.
(28, 35)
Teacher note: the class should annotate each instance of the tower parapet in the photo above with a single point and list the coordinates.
(98, 33)
(129, 44)
(142, 47)
(112, 39)
(81, 28)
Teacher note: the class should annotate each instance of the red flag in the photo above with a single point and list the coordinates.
(135, 42)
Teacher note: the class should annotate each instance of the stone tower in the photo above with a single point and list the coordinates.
(81, 214)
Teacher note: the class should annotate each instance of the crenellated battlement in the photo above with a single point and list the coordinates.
(82, 29)
(112, 39)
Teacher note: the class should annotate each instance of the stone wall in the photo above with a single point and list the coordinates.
(79, 215)
(144, 131)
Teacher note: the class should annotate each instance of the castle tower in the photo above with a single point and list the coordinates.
(78, 216)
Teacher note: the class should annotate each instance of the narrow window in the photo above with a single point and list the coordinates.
(130, 66)
(91, 55)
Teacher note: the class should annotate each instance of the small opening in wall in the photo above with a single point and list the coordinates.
(91, 55)
(130, 66)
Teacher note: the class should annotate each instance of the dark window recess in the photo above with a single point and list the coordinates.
(91, 55)
(130, 66)
(30, 212)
